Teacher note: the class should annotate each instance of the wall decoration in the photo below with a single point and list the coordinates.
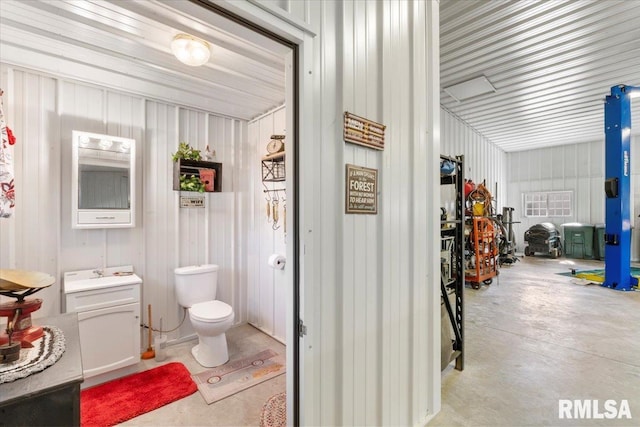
(361, 131)
(192, 201)
(192, 173)
(361, 195)
(7, 189)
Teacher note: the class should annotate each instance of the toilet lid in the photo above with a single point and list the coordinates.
(211, 311)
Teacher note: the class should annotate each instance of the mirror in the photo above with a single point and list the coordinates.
(103, 181)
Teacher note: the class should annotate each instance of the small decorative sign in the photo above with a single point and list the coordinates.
(358, 130)
(362, 190)
(192, 201)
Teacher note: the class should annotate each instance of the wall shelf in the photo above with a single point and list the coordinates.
(192, 167)
(273, 167)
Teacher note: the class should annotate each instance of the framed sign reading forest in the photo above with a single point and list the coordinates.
(361, 190)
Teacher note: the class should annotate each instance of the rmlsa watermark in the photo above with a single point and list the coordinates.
(593, 409)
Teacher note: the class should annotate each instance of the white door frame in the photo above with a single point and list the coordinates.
(299, 103)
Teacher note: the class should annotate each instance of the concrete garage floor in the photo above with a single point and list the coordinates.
(532, 338)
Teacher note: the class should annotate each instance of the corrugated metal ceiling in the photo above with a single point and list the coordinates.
(244, 77)
(552, 63)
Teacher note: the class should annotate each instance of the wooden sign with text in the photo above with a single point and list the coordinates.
(361, 191)
(361, 131)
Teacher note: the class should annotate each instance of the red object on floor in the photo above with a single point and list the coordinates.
(125, 398)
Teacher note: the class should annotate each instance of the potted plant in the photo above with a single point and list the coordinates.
(189, 181)
(186, 152)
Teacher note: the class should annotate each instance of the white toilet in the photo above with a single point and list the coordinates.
(196, 288)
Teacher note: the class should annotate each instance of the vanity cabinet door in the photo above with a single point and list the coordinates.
(109, 338)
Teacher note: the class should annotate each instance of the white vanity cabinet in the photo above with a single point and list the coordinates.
(108, 311)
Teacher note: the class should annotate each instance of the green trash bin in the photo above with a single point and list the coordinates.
(578, 240)
(599, 242)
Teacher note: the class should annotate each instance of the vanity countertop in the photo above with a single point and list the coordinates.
(87, 280)
(100, 283)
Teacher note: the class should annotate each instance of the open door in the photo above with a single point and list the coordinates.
(294, 309)
(299, 42)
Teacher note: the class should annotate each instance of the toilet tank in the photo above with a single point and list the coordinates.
(196, 283)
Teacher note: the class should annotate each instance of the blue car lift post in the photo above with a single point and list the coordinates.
(617, 124)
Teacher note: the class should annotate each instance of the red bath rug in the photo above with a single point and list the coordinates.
(125, 398)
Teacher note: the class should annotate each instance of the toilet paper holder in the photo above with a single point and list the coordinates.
(277, 261)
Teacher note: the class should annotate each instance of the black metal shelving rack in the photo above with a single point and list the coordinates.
(452, 283)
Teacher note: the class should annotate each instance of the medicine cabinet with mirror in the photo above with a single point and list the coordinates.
(103, 181)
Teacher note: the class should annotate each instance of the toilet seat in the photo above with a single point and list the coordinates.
(211, 311)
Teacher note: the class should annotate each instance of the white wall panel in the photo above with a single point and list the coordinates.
(483, 159)
(570, 165)
(322, 404)
(266, 286)
(369, 295)
(596, 213)
(574, 167)
(43, 111)
(191, 244)
(31, 112)
(361, 44)
(161, 214)
(123, 115)
(225, 136)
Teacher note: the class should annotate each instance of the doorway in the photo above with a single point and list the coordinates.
(107, 66)
(291, 191)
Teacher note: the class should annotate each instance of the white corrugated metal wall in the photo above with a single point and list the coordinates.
(42, 111)
(483, 159)
(266, 287)
(370, 295)
(29, 239)
(575, 167)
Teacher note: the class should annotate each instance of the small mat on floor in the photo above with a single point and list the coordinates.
(125, 398)
(274, 412)
(232, 377)
(595, 276)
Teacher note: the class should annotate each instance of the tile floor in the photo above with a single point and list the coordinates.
(241, 409)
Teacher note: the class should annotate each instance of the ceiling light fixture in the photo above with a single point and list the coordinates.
(190, 50)
(470, 88)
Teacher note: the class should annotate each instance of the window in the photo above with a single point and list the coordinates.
(547, 203)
